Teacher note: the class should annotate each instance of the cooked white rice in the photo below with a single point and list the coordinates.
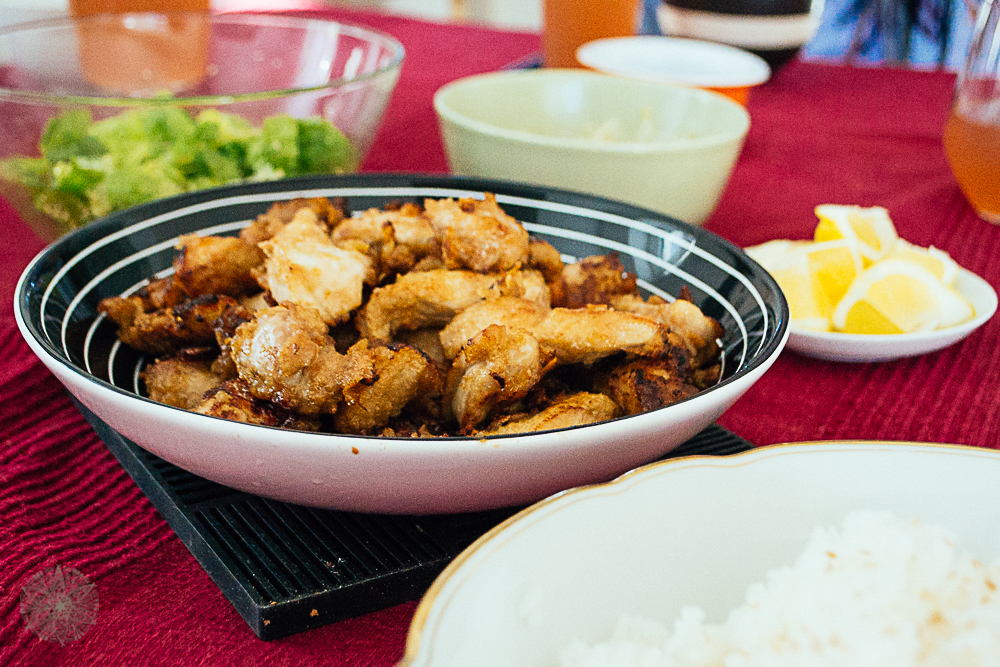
(879, 592)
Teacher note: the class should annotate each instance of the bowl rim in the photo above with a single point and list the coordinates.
(679, 145)
(545, 508)
(107, 227)
(389, 42)
(603, 55)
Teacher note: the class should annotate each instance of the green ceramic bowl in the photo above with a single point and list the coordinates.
(664, 147)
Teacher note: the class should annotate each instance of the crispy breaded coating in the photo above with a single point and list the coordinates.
(284, 355)
(178, 382)
(304, 267)
(592, 280)
(164, 332)
(162, 293)
(428, 341)
(401, 375)
(584, 335)
(422, 299)
(477, 234)
(233, 401)
(399, 238)
(645, 383)
(498, 366)
(529, 285)
(216, 265)
(542, 256)
(328, 212)
(506, 310)
(564, 412)
(698, 332)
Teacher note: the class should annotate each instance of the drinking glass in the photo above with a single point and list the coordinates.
(972, 133)
(569, 24)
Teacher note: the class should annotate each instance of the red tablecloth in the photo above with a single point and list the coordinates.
(820, 134)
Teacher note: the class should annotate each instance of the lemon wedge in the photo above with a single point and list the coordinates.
(871, 228)
(772, 253)
(896, 296)
(936, 261)
(813, 276)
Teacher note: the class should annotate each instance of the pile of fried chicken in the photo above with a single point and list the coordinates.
(444, 319)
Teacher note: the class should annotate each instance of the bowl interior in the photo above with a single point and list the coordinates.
(59, 292)
(694, 531)
(590, 111)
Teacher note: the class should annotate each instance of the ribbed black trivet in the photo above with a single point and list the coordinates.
(288, 568)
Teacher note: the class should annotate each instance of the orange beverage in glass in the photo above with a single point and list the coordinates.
(85, 7)
(569, 24)
(165, 53)
(973, 150)
(972, 132)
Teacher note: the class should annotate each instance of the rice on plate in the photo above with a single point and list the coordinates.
(880, 590)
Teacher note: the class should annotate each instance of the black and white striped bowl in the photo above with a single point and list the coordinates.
(57, 297)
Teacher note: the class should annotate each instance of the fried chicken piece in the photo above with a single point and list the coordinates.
(422, 299)
(216, 265)
(529, 285)
(179, 382)
(564, 412)
(698, 332)
(162, 293)
(233, 401)
(644, 384)
(510, 311)
(400, 238)
(584, 335)
(330, 213)
(498, 366)
(401, 375)
(284, 355)
(543, 257)
(164, 332)
(413, 237)
(592, 280)
(428, 341)
(304, 267)
(477, 234)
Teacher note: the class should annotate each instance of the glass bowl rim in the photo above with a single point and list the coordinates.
(36, 97)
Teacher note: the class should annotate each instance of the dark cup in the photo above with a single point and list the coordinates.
(773, 29)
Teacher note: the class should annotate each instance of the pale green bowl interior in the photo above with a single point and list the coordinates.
(585, 110)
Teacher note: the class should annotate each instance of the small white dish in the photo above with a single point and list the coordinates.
(677, 61)
(834, 346)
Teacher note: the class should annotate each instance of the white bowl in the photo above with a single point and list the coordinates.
(59, 292)
(675, 60)
(694, 531)
(834, 346)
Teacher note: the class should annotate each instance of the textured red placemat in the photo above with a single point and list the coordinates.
(830, 134)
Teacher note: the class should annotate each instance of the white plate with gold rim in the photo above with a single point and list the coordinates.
(834, 346)
(690, 531)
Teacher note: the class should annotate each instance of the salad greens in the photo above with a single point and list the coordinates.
(89, 169)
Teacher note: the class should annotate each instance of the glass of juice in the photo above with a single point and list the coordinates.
(163, 50)
(569, 24)
(972, 133)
